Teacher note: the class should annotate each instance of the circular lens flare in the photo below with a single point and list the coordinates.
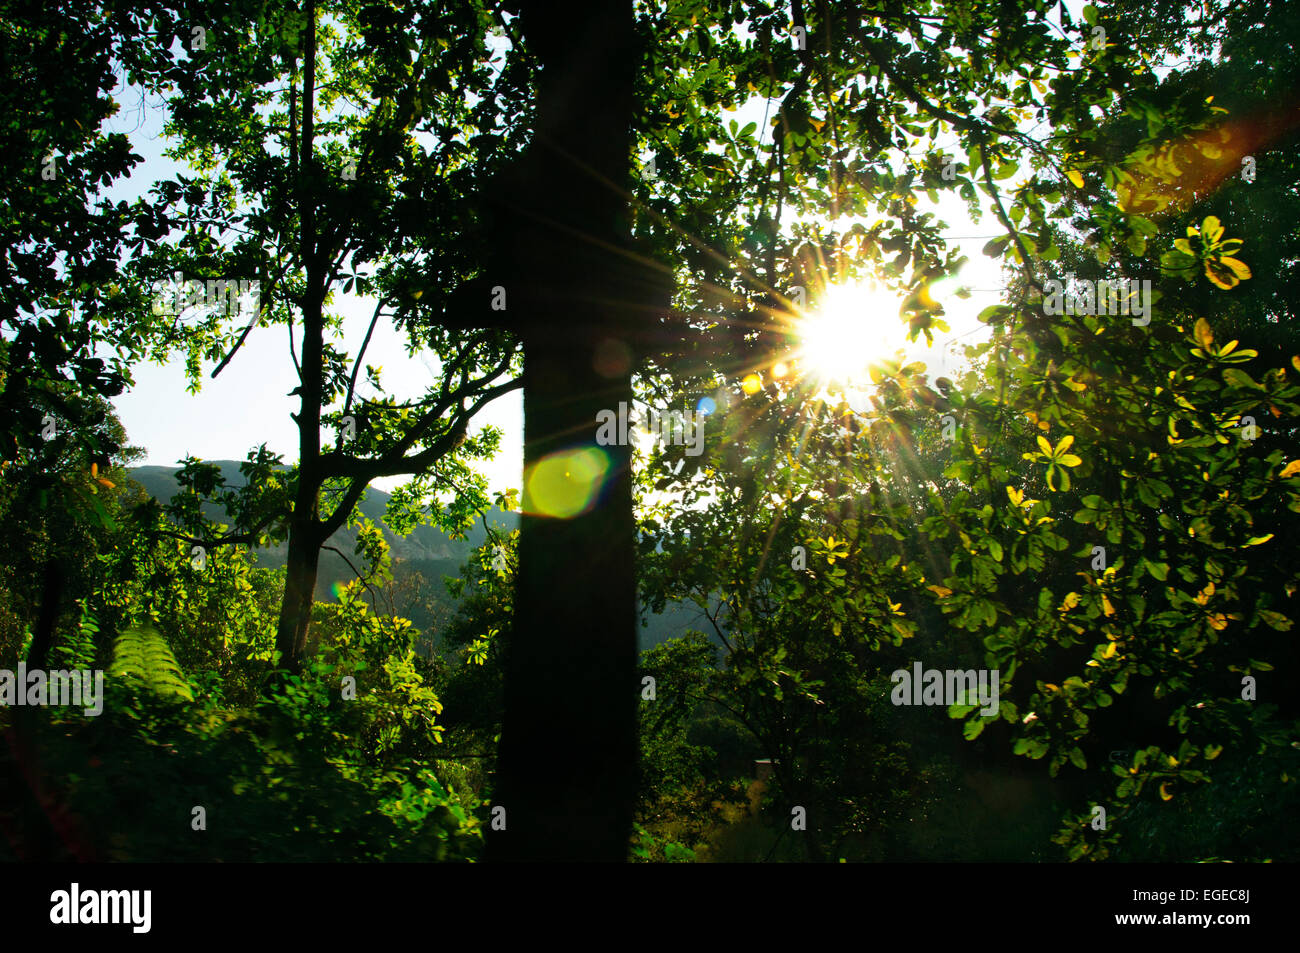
(565, 484)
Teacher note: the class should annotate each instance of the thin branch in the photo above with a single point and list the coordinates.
(514, 37)
(716, 628)
(251, 538)
(293, 348)
(261, 308)
(434, 414)
(352, 381)
(364, 580)
(394, 463)
(1001, 212)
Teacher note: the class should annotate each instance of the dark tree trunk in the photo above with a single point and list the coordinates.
(567, 768)
(299, 594)
(38, 653)
(567, 772)
(305, 538)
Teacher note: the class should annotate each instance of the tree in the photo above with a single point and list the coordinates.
(61, 506)
(574, 293)
(797, 564)
(300, 197)
(1056, 386)
(60, 241)
(1143, 434)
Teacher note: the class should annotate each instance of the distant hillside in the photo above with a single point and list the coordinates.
(426, 550)
(426, 546)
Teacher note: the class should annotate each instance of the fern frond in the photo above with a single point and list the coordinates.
(142, 654)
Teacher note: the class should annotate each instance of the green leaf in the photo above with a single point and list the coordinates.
(996, 248)
(990, 314)
(142, 655)
(1202, 333)
(1239, 378)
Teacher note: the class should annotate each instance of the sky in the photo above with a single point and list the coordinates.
(249, 402)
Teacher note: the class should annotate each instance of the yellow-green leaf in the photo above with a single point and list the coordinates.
(1238, 267)
(1204, 336)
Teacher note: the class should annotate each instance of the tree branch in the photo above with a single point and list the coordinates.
(352, 381)
(364, 580)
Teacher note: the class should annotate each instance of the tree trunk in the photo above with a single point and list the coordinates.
(38, 653)
(567, 767)
(299, 595)
(567, 774)
(305, 538)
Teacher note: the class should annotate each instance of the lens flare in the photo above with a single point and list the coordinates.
(565, 484)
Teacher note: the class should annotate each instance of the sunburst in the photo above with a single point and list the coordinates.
(856, 324)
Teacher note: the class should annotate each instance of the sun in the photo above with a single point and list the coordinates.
(856, 325)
